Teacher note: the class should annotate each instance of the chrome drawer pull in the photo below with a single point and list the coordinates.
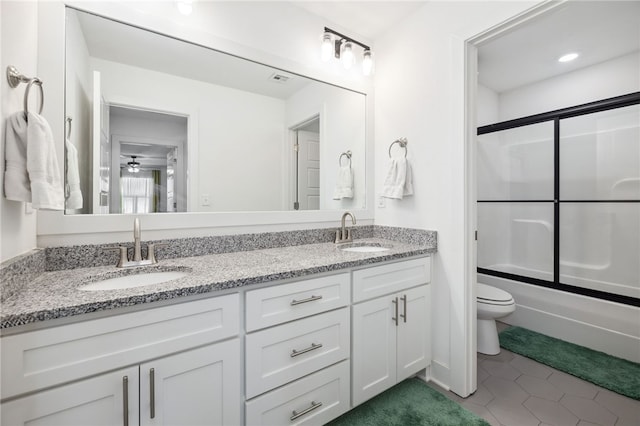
(314, 405)
(152, 392)
(404, 316)
(313, 347)
(125, 401)
(395, 303)
(309, 299)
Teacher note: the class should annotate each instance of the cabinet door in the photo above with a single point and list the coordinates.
(414, 351)
(99, 401)
(197, 387)
(374, 348)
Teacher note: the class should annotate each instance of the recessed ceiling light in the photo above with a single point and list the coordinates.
(568, 57)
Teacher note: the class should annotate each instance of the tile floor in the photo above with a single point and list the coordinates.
(516, 391)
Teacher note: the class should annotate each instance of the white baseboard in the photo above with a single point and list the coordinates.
(597, 324)
(440, 374)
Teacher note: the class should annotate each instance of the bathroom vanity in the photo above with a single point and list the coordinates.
(300, 337)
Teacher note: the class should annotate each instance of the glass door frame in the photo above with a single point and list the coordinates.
(555, 117)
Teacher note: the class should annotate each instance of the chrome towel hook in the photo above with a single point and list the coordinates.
(15, 78)
(345, 154)
(68, 123)
(403, 144)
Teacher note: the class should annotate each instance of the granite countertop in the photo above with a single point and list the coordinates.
(56, 294)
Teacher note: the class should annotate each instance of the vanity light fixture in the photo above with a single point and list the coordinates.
(568, 57)
(185, 6)
(133, 166)
(342, 48)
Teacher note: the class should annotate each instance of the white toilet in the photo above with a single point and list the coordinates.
(492, 303)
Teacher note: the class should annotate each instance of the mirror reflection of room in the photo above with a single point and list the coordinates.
(228, 123)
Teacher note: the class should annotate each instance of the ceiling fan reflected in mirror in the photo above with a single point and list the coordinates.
(133, 166)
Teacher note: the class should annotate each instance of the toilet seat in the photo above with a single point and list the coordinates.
(493, 296)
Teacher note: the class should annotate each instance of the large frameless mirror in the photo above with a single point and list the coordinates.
(162, 125)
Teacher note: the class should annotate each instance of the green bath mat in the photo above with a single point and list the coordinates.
(409, 403)
(616, 374)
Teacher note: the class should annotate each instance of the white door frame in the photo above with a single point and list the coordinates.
(465, 381)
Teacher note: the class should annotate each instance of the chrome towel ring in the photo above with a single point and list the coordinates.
(15, 78)
(403, 144)
(345, 154)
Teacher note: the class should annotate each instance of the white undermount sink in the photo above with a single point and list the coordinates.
(134, 280)
(364, 248)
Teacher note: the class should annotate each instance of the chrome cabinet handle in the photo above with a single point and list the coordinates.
(314, 405)
(404, 299)
(152, 392)
(395, 303)
(313, 347)
(309, 299)
(125, 401)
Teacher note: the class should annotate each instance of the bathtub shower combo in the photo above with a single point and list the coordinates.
(559, 199)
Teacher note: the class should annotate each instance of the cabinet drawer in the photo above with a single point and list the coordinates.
(282, 303)
(312, 400)
(380, 280)
(48, 357)
(287, 352)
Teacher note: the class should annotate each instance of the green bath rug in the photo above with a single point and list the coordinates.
(409, 403)
(616, 374)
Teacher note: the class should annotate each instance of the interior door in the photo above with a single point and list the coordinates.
(308, 170)
(101, 149)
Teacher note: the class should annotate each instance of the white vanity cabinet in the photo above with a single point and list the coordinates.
(391, 323)
(297, 369)
(161, 366)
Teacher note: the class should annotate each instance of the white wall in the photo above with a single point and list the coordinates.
(19, 38)
(419, 87)
(342, 128)
(618, 76)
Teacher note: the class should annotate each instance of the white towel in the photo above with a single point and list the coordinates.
(32, 174)
(344, 183)
(398, 182)
(72, 192)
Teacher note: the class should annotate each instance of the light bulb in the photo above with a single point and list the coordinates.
(367, 62)
(327, 47)
(185, 7)
(347, 54)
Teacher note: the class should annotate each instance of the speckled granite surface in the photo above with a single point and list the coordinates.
(55, 294)
(61, 258)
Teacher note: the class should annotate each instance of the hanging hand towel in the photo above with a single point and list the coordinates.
(398, 181)
(344, 183)
(32, 173)
(72, 193)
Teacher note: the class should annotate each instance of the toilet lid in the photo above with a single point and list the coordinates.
(489, 294)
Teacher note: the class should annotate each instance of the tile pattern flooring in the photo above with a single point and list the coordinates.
(516, 391)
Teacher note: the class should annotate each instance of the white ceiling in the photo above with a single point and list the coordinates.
(369, 19)
(597, 30)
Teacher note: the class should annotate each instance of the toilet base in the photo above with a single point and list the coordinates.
(488, 342)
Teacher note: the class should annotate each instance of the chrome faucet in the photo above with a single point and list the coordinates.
(343, 235)
(124, 261)
(137, 254)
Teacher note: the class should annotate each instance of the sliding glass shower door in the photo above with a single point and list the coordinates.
(559, 199)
